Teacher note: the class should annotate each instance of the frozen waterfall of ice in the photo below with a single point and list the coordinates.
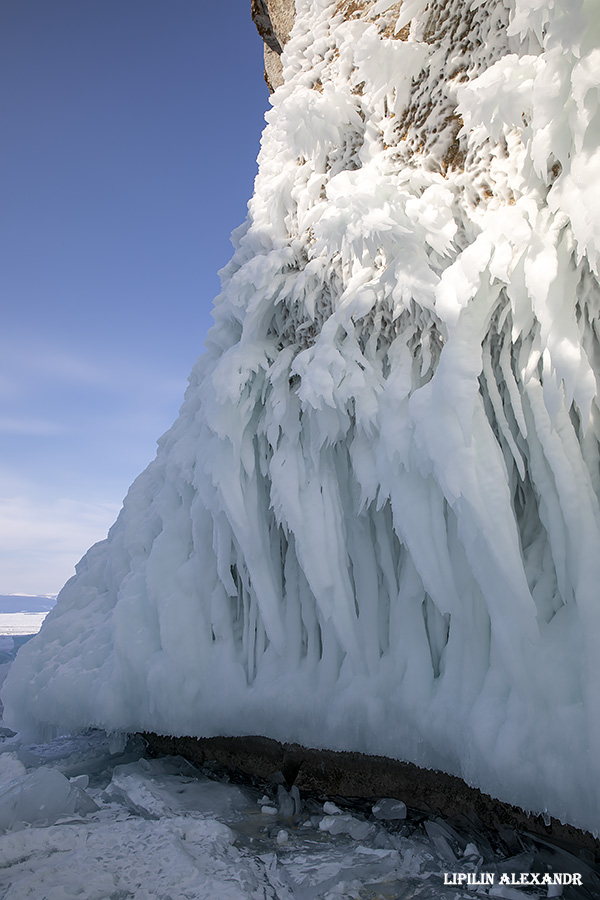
(375, 524)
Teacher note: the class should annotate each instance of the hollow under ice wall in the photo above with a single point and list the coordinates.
(375, 523)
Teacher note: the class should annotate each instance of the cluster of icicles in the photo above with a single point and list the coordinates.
(375, 524)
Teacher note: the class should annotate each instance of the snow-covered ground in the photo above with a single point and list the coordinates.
(81, 818)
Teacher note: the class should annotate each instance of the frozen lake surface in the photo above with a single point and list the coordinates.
(21, 622)
(81, 817)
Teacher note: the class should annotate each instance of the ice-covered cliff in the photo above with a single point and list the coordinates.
(375, 524)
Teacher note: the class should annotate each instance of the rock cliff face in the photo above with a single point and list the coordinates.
(375, 525)
(274, 20)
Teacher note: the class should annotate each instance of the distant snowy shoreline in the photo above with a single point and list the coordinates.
(26, 603)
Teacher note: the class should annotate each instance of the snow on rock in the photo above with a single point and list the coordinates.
(375, 524)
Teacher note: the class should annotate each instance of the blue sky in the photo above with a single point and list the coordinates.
(130, 135)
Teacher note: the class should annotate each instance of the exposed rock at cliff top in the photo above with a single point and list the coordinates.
(274, 20)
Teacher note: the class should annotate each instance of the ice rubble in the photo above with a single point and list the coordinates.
(161, 828)
(375, 523)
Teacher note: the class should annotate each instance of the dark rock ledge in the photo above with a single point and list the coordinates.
(356, 775)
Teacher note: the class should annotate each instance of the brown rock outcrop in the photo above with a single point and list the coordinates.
(274, 20)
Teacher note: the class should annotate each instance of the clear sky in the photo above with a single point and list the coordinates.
(130, 135)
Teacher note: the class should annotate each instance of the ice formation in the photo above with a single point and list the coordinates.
(375, 524)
